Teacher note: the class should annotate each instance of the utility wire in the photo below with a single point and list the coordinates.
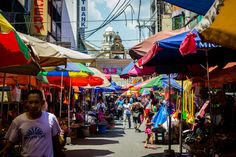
(107, 18)
(139, 26)
(118, 13)
(58, 22)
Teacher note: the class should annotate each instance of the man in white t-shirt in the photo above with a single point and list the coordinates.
(35, 129)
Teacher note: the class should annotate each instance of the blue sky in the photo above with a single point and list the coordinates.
(98, 10)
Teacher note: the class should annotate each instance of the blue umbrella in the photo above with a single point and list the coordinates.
(197, 6)
(114, 85)
(112, 88)
(125, 71)
(170, 57)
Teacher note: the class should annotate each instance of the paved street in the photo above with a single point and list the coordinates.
(116, 143)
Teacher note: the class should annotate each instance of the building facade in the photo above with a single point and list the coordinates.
(160, 16)
(58, 21)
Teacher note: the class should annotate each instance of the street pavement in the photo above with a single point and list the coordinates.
(117, 142)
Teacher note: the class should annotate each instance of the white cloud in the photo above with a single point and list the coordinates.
(94, 13)
(111, 3)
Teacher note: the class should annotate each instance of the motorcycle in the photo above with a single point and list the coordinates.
(199, 132)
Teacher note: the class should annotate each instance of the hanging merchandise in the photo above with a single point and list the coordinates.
(190, 116)
(15, 94)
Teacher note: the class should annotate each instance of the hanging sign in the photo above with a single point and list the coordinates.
(38, 16)
(83, 13)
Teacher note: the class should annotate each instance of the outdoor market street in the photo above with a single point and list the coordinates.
(115, 143)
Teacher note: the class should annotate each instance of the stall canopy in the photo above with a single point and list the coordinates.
(31, 68)
(162, 81)
(18, 80)
(166, 52)
(197, 6)
(223, 75)
(132, 70)
(50, 54)
(218, 26)
(142, 48)
(15, 56)
(98, 73)
(12, 48)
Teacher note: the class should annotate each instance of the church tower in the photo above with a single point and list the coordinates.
(108, 38)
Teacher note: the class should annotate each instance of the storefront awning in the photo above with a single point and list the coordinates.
(197, 6)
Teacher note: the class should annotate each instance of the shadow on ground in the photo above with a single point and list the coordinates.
(93, 141)
(87, 153)
(161, 155)
(154, 155)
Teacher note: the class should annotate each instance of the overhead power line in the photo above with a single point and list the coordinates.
(118, 12)
(89, 21)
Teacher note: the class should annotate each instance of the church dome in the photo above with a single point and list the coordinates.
(117, 37)
(109, 29)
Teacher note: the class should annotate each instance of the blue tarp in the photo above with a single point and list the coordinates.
(197, 6)
(160, 117)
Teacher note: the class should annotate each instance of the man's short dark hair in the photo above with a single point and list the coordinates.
(35, 91)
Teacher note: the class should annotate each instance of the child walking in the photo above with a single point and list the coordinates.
(148, 131)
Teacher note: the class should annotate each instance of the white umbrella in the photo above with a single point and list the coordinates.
(51, 55)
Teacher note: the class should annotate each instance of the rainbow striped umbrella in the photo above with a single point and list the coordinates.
(71, 70)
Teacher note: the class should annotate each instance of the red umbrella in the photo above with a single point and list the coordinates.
(82, 81)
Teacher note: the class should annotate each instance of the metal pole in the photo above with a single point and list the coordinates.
(61, 93)
(169, 115)
(3, 86)
(84, 106)
(69, 105)
(209, 97)
(181, 117)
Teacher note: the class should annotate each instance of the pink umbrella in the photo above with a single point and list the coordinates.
(135, 71)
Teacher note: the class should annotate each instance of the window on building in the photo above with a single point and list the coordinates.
(177, 22)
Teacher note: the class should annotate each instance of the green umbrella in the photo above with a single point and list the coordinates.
(154, 82)
(162, 81)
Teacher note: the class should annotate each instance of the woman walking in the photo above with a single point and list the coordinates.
(126, 114)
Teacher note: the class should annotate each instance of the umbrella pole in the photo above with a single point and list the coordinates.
(61, 93)
(209, 97)
(3, 86)
(181, 117)
(169, 152)
(69, 105)
(169, 144)
(84, 107)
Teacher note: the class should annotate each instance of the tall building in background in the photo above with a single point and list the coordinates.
(108, 38)
(69, 23)
(112, 46)
(74, 22)
(160, 16)
(35, 17)
(165, 16)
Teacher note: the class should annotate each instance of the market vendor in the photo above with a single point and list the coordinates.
(39, 130)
